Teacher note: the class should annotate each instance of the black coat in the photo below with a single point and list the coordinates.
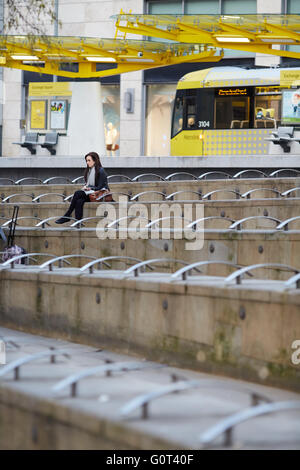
(102, 180)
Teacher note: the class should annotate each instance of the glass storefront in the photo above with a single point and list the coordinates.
(159, 107)
(111, 118)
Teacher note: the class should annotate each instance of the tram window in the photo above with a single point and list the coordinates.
(268, 110)
(231, 110)
(177, 115)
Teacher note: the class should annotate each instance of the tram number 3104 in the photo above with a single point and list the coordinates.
(203, 124)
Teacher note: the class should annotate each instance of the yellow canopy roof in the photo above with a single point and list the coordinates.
(95, 57)
(254, 33)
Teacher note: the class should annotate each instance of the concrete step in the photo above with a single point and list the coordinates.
(281, 209)
(239, 247)
(206, 323)
(92, 420)
(169, 187)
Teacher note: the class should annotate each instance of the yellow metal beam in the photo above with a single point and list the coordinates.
(255, 33)
(58, 56)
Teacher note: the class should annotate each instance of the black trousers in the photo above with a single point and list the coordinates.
(78, 199)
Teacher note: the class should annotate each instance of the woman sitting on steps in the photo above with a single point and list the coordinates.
(95, 179)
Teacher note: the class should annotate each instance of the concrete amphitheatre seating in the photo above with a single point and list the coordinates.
(202, 318)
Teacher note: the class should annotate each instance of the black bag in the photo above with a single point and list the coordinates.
(12, 250)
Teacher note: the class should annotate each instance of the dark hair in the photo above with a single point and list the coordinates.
(98, 165)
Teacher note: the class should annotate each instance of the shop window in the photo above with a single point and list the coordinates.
(159, 107)
(111, 118)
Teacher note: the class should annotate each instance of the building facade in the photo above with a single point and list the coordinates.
(145, 128)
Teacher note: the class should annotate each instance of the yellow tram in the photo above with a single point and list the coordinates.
(231, 110)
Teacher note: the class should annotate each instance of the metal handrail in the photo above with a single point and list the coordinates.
(142, 401)
(287, 193)
(237, 275)
(61, 259)
(285, 223)
(20, 218)
(274, 173)
(136, 196)
(208, 195)
(254, 170)
(135, 268)
(72, 380)
(211, 217)
(37, 198)
(136, 178)
(24, 256)
(227, 425)
(45, 221)
(15, 365)
(184, 271)
(169, 177)
(121, 176)
(116, 221)
(91, 264)
(28, 178)
(171, 196)
(154, 222)
(223, 173)
(247, 194)
(74, 181)
(291, 280)
(7, 198)
(237, 223)
(111, 193)
(79, 222)
(46, 181)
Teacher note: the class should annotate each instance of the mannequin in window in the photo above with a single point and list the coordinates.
(111, 136)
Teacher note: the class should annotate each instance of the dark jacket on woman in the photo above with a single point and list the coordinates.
(100, 180)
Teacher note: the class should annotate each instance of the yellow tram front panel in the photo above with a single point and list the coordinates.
(220, 142)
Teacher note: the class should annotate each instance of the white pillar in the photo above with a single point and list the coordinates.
(85, 130)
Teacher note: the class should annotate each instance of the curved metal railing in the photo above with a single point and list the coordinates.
(247, 194)
(209, 173)
(30, 178)
(237, 224)
(180, 173)
(159, 177)
(183, 272)
(144, 264)
(285, 223)
(171, 196)
(250, 170)
(62, 259)
(227, 425)
(237, 275)
(47, 181)
(233, 191)
(136, 196)
(99, 261)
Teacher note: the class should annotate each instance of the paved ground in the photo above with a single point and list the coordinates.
(178, 418)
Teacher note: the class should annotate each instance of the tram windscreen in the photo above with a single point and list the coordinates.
(177, 123)
(290, 107)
